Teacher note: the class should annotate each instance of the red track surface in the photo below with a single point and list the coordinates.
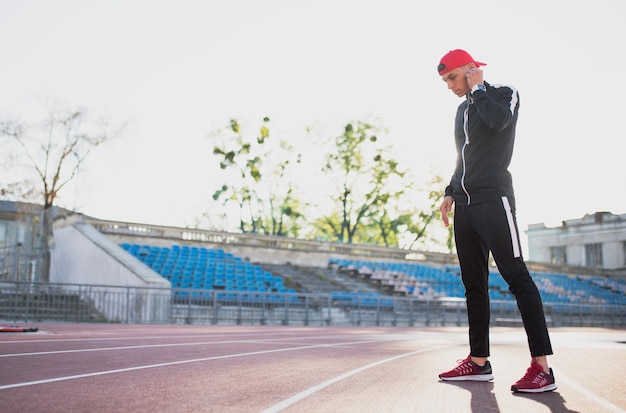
(173, 368)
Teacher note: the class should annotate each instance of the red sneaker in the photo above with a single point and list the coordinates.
(535, 380)
(468, 370)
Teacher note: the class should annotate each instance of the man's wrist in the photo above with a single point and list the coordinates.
(479, 87)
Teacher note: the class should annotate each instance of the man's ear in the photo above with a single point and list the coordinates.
(468, 67)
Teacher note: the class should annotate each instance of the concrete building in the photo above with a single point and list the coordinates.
(596, 240)
(19, 242)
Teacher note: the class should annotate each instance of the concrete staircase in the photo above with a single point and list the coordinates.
(319, 280)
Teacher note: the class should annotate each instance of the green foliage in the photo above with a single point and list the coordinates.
(255, 180)
(365, 177)
(374, 195)
(373, 199)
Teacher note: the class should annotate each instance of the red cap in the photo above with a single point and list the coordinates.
(456, 58)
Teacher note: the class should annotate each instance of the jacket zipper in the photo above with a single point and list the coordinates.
(467, 141)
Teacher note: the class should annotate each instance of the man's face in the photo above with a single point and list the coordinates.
(456, 80)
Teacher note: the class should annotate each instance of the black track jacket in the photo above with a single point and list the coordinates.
(484, 131)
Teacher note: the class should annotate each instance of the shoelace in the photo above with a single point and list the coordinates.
(533, 373)
(461, 363)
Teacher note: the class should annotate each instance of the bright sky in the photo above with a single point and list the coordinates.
(177, 69)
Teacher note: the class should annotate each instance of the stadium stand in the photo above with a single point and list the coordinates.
(410, 279)
(192, 270)
(198, 270)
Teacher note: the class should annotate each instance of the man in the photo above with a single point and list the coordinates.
(481, 191)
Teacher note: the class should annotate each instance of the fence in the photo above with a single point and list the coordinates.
(35, 302)
(19, 263)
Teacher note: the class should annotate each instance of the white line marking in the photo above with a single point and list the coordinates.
(173, 363)
(106, 337)
(138, 347)
(297, 397)
(592, 396)
(87, 350)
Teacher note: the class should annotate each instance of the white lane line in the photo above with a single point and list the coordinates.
(299, 396)
(173, 336)
(590, 395)
(139, 347)
(173, 363)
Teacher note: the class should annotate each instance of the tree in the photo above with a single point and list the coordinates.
(257, 180)
(47, 155)
(417, 228)
(385, 218)
(376, 201)
(364, 176)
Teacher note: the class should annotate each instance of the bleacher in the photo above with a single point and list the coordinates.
(193, 271)
(418, 280)
(197, 272)
(360, 299)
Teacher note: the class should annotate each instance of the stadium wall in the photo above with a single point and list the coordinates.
(81, 253)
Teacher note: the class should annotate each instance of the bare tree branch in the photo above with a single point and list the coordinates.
(52, 151)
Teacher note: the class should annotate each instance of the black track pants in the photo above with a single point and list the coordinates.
(492, 226)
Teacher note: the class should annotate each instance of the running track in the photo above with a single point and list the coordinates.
(179, 368)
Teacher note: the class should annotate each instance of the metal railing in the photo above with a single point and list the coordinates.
(34, 302)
